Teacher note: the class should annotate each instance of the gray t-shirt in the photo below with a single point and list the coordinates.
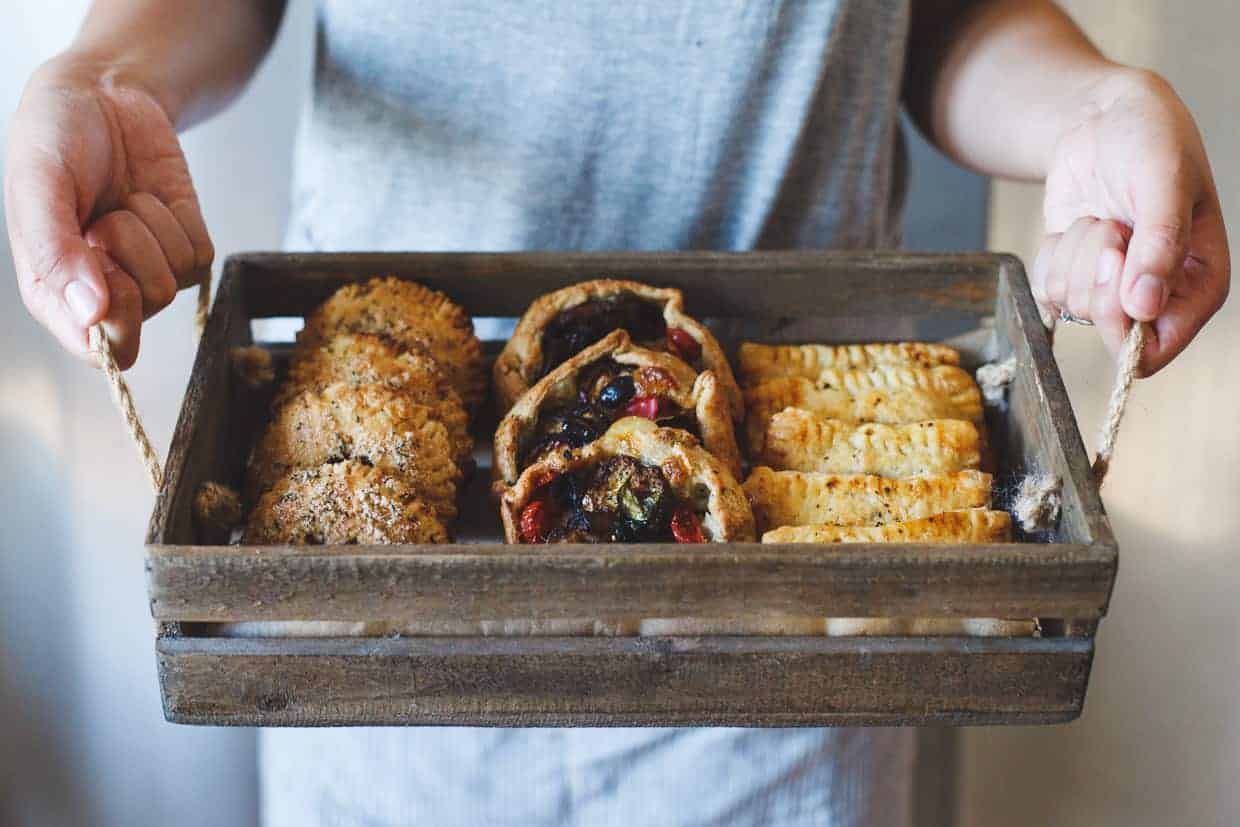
(578, 124)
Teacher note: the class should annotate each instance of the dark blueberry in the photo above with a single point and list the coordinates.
(618, 393)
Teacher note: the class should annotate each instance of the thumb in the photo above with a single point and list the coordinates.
(1159, 245)
(61, 280)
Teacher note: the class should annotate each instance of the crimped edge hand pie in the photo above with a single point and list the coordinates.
(373, 423)
(520, 364)
(344, 502)
(797, 440)
(889, 394)
(757, 362)
(414, 317)
(796, 498)
(655, 374)
(366, 359)
(696, 478)
(969, 526)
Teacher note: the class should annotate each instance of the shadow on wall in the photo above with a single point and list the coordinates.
(41, 784)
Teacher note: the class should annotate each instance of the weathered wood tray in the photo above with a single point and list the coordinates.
(980, 303)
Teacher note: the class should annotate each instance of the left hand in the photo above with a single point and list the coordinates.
(1133, 221)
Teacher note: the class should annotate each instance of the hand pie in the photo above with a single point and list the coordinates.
(344, 502)
(759, 363)
(797, 440)
(414, 318)
(891, 394)
(371, 423)
(577, 402)
(970, 526)
(638, 483)
(798, 498)
(365, 359)
(559, 325)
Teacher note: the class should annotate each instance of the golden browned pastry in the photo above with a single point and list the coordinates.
(890, 394)
(757, 363)
(342, 502)
(372, 423)
(577, 402)
(561, 324)
(638, 483)
(365, 359)
(970, 526)
(781, 498)
(797, 440)
(414, 318)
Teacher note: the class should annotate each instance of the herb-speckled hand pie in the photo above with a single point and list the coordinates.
(797, 440)
(757, 363)
(970, 526)
(638, 483)
(795, 498)
(559, 325)
(577, 402)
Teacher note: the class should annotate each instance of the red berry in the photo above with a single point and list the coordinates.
(535, 522)
(683, 345)
(686, 526)
(647, 406)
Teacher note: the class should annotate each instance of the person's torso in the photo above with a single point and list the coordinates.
(571, 124)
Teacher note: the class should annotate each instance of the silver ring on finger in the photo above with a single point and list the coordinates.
(1068, 318)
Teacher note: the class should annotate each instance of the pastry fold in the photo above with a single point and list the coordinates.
(968, 526)
(798, 440)
(757, 363)
(890, 394)
(698, 396)
(695, 477)
(800, 498)
(521, 363)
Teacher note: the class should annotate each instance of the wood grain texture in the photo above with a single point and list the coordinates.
(623, 681)
(978, 303)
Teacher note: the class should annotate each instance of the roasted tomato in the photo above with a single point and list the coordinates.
(683, 345)
(645, 406)
(686, 525)
(536, 521)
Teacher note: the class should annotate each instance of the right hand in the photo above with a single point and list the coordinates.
(103, 219)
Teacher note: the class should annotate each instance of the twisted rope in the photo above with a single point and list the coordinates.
(102, 348)
(1037, 501)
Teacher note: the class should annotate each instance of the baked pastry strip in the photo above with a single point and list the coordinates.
(757, 362)
(966, 526)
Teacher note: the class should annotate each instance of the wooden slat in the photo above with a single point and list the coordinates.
(497, 581)
(623, 681)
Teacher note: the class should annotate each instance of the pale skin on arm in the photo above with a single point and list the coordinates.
(103, 218)
(1134, 228)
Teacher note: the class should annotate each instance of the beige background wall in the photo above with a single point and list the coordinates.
(1159, 743)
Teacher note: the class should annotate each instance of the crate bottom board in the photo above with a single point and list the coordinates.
(716, 681)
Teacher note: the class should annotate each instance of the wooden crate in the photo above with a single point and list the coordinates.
(979, 303)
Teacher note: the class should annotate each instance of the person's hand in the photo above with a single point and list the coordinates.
(103, 219)
(1133, 222)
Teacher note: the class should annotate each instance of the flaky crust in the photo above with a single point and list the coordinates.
(890, 394)
(797, 440)
(695, 393)
(757, 363)
(796, 498)
(413, 317)
(517, 367)
(694, 475)
(344, 502)
(373, 423)
(969, 526)
(366, 359)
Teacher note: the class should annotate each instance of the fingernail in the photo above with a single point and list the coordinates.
(1108, 268)
(83, 301)
(1149, 293)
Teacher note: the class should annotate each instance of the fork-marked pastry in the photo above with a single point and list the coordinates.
(968, 526)
(756, 362)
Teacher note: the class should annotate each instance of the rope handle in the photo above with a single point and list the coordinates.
(102, 349)
(1037, 500)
